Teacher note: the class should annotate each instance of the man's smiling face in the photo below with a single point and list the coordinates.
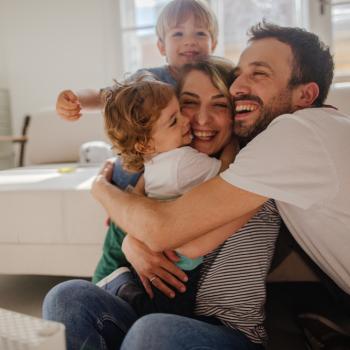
(261, 91)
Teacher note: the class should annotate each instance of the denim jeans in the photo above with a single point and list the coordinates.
(122, 178)
(95, 319)
(129, 287)
(173, 332)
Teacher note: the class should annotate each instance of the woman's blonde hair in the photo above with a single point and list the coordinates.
(219, 70)
(178, 11)
(131, 109)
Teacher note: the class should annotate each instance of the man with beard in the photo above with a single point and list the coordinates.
(297, 154)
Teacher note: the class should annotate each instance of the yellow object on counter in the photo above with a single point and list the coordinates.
(66, 170)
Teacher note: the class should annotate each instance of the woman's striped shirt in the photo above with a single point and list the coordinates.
(232, 286)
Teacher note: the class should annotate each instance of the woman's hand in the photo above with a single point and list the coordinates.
(104, 177)
(154, 268)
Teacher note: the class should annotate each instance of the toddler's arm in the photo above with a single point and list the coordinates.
(70, 104)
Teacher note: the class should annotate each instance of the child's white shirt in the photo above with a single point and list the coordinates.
(171, 174)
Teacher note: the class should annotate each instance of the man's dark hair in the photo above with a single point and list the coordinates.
(312, 61)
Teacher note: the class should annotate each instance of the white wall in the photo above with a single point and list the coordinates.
(339, 97)
(3, 67)
(49, 45)
(3, 70)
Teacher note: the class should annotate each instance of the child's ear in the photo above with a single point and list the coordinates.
(306, 94)
(144, 149)
(161, 47)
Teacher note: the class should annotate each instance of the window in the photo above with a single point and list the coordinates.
(340, 13)
(329, 18)
(236, 17)
(138, 31)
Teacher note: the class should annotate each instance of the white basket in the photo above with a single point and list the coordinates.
(22, 332)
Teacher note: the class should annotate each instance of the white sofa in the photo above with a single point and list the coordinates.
(60, 232)
(50, 224)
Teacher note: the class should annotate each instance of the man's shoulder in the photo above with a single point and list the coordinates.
(311, 114)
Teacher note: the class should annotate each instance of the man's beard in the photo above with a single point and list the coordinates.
(278, 105)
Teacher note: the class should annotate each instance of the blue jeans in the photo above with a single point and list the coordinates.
(123, 178)
(173, 332)
(129, 287)
(95, 319)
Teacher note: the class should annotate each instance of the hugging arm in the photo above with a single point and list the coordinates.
(208, 242)
(166, 225)
(211, 240)
(148, 264)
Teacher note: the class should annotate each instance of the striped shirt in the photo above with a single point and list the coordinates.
(232, 286)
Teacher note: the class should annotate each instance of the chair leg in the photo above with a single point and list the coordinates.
(23, 143)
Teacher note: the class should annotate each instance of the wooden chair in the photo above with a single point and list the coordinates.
(22, 139)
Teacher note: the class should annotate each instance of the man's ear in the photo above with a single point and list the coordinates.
(161, 47)
(144, 149)
(306, 94)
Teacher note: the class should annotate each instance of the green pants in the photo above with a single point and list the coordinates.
(112, 256)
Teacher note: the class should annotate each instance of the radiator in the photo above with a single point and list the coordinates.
(22, 332)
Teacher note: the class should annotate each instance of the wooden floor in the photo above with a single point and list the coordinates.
(25, 294)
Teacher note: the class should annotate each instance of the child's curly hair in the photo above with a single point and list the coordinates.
(131, 109)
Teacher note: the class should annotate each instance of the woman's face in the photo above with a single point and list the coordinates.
(208, 111)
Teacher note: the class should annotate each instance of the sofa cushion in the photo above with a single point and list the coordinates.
(54, 140)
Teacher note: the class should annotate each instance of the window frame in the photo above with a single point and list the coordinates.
(315, 16)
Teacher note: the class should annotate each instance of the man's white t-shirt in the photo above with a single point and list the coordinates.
(171, 174)
(302, 160)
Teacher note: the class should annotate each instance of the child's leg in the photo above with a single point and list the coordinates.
(112, 256)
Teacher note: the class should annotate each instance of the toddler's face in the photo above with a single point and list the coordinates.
(186, 43)
(171, 130)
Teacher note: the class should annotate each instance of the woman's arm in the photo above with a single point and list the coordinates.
(211, 240)
(149, 264)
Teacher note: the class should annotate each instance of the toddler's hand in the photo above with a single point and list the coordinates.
(68, 105)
